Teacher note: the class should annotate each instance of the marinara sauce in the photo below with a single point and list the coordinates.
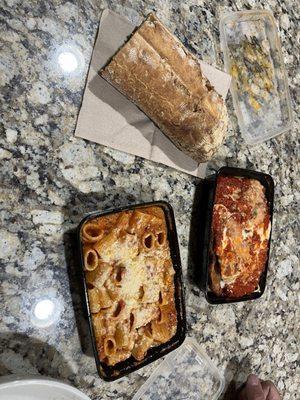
(240, 230)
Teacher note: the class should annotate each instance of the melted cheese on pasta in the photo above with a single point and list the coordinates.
(114, 248)
(139, 285)
(134, 278)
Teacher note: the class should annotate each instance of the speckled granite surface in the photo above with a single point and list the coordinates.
(49, 180)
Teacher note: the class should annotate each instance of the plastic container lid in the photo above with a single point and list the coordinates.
(186, 373)
(253, 57)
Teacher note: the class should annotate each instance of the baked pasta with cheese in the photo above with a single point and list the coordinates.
(130, 279)
(240, 230)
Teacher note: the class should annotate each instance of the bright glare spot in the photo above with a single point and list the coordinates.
(67, 61)
(44, 309)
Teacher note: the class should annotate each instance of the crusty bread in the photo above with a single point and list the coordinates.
(155, 71)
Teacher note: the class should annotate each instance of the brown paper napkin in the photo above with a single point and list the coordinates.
(108, 118)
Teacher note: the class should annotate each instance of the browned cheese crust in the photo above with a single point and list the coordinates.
(156, 72)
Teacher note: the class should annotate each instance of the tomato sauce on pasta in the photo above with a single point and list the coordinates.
(130, 279)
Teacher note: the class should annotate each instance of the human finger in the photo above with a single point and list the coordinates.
(270, 390)
(253, 389)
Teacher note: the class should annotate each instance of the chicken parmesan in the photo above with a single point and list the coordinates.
(240, 230)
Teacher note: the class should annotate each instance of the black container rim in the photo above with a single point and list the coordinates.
(118, 371)
(267, 181)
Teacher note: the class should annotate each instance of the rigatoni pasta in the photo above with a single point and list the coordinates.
(90, 259)
(98, 276)
(91, 232)
(130, 278)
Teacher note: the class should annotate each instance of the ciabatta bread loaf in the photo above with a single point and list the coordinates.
(156, 72)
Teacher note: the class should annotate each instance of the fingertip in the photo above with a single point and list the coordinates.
(269, 383)
(270, 390)
(253, 380)
(254, 388)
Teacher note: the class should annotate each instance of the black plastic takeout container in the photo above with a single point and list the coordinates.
(207, 244)
(111, 373)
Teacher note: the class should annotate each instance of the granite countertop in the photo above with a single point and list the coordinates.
(49, 180)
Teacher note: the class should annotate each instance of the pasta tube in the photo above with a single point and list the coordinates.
(94, 302)
(148, 241)
(160, 331)
(98, 276)
(92, 232)
(161, 238)
(141, 346)
(90, 258)
(109, 346)
(122, 334)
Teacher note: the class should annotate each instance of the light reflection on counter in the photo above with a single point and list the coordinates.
(45, 312)
(68, 59)
(44, 309)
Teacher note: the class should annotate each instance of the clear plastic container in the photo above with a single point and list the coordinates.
(253, 57)
(187, 373)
